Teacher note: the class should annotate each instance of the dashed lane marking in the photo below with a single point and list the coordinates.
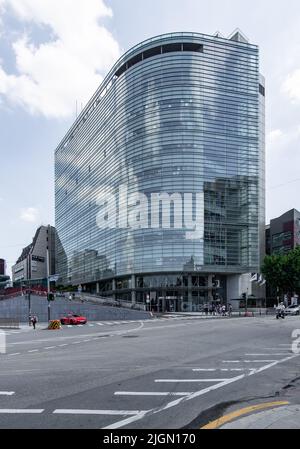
(220, 369)
(150, 393)
(189, 380)
(24, 410)
(15, 353)
(33, 350)
(257, 355)
(6, 393)
(248, 361)
(97, 412)
(205, 369)
(50, 347)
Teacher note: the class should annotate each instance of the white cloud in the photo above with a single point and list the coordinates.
(291, 86)
(274, 136)
(29, 215)
(69, 66)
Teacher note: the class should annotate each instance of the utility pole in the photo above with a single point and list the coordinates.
(29, 306)
(48, 285)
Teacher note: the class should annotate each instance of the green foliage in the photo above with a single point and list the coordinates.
(282, 272)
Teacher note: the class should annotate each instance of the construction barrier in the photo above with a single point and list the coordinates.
(54, 325)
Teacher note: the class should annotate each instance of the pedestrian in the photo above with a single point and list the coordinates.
(224, 310)
(230, 310)
(206, 309)
(34, 321)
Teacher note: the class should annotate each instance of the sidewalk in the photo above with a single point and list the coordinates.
(282, 417)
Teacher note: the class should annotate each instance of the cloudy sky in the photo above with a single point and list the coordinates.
(54, 54)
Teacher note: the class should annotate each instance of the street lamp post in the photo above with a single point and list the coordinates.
(29, 306)
(48, 286)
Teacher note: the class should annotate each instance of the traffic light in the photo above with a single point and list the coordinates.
(51, 297)
(244, 296)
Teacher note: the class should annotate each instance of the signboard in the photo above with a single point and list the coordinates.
(54, 278)
(38, 258)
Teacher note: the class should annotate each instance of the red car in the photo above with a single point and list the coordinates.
(71, 318)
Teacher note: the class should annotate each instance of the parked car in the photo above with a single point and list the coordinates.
(292, 310)
(72, 318)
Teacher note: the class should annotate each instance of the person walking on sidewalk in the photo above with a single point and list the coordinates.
(34, 321)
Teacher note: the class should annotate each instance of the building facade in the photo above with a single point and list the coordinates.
(160, 181)
(283, 233)
(4, 280)
(2, 267)
(32, 263)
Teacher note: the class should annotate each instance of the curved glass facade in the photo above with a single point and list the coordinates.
(183, 115)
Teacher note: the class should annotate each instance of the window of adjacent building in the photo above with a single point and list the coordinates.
(262, 90)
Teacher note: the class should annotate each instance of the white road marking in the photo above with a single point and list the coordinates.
(24, 410)
(257, 355)
(85, 341)
(248, 361)
(196, 394)
(50, 347)
(100, 324)
(204, 369)
(190, 380)
(33, 350)
(96, 412)
(76, 342)
(259, 361)
(6, 393)
(15, 353)
(65, 344)
(277, 349)
(235, 369)
(148, 393)
(231, 361)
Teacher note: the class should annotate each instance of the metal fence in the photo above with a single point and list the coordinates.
(9, 323)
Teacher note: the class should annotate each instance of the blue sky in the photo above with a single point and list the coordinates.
(55, 52)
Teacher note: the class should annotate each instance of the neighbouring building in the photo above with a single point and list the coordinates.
(4, 280)
(283, 233)
(160, 182)
(2, 267)
(31, 266)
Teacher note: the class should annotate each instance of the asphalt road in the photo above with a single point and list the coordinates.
(173, 373)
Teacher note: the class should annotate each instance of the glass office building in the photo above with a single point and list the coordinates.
(178, 124)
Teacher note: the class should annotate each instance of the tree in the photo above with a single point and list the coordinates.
(282, 271)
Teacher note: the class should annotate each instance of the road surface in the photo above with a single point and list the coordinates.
(168, 373)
